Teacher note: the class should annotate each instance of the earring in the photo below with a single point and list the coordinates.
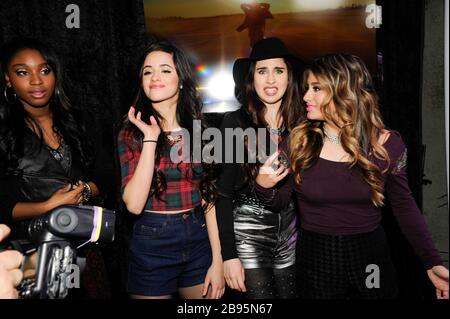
(5, 93)
(181, 86)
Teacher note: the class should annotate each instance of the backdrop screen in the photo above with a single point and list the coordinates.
(215, 33)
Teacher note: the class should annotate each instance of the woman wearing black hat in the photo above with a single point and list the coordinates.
(258, 244)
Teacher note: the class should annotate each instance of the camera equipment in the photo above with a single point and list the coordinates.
(56, 235)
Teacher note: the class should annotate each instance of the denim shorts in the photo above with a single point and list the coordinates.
(167, 252)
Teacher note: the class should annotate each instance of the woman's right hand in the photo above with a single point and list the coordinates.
(271, 172)
(67, 195)
(234, 274)
(151, 131)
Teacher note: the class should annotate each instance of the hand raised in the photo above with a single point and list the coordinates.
(150, 131)
(271, 172)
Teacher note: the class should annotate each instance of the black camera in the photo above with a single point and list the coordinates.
(57, 235)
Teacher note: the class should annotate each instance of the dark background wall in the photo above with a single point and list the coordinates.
(100, 59)
(435, 193)
(400, 40)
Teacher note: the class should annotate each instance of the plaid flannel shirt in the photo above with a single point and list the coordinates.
(183, 179)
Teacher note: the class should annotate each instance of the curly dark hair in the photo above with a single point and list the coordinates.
(14, 118)
(189, 107)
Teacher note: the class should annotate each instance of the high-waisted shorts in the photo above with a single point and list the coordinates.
(167, 252)
(264, 238)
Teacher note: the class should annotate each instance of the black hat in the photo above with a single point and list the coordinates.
(262, 50)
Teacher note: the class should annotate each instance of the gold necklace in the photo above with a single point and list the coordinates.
(174, 139)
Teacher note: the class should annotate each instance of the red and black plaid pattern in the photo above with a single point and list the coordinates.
(182, 179)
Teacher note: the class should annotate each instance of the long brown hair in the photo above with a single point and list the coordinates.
(189, 107)
(253, 111)
(347, 82)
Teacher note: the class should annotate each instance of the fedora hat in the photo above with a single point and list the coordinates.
(264, 49)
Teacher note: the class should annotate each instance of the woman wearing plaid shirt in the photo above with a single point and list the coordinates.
(175, 245)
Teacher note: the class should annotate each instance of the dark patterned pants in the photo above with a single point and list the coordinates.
(345, 266)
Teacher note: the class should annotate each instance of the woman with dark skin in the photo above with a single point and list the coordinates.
(41, 137)
(46, 157)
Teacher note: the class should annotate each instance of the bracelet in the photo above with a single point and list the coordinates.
(153, 141)
(87, 192)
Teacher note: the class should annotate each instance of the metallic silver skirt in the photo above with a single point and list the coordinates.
(264, 238)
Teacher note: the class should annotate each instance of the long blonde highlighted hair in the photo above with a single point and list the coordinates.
(348, 85)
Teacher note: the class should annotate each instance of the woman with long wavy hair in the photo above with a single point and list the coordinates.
(175, 244)
(258, 243)
(46, 159)
(343, 162)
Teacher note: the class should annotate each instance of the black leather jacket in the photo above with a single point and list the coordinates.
(40, 174)
(37, 177)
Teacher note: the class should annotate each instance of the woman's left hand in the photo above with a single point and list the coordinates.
(439, 277)
(215, 279)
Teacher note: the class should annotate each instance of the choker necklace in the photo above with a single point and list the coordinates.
(334, 139)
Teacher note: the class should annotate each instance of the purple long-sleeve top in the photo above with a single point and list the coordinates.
(334, 199)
